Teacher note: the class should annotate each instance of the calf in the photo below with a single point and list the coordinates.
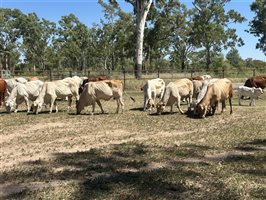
(253, 93)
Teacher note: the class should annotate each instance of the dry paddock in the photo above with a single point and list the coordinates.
(135, 155)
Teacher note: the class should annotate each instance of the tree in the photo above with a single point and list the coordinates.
(141, 9)
(211, 29)
(181, 40)
(73, 42)
(37, 36)
(9, 35)
(258, 24)
(233, 57)
(161, 30)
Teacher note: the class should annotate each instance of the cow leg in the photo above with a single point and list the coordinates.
(145, 103)
(230, 103)
(120, 100)
(52, 104)
(223, 106)
(178, 105)
(16, 109)
(239, 100)
(56, 107)
(27, 104)
(93, 107)
(100, 105)
(69, 102)
(171, 108)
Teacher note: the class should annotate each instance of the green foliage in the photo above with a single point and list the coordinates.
(233, 57)
(258, 24)
(175, 37)
(210, 28)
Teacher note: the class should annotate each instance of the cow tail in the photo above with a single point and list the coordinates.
(230, 97)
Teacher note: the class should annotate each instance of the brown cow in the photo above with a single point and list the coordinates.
(256, 81)
(92, 79)
(3, 90)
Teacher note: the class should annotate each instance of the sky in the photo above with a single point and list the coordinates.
(89, 12)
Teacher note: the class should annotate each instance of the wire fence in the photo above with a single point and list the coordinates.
(129, 75)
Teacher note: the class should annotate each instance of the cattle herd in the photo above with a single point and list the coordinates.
(201, 94)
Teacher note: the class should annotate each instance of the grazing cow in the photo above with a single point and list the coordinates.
(204, 88)
(219, 91)
(101, 90)
(11, 83)
(197, 87)
(152, 89)
(91, 79)
(23, 92)
(253, 93)
(256, 81)
(174, 92)
(3, 90)
(55, 89)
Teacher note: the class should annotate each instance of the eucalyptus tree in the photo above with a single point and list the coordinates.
(115, 36)
(141, 10)
(258, 24)
(37, 36)
(73, 40)
(181, 40)
(160, 30)
(212, 28)
(9, 36)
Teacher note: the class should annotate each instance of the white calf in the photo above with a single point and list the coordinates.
(253, 93)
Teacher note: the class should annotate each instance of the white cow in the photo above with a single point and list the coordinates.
(11, 83)
(152, 89)
(253, 93)
(174, 93)
(23, 92)
(93, 92)
(55, 89)
(77, 79)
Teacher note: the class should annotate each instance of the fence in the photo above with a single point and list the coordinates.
(128, 75)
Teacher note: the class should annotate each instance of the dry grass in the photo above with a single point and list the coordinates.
(135, 155)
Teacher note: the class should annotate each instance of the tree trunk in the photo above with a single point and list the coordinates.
(142, 9)
(208, 59)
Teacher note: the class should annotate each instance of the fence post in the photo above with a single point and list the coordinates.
(158, 72)
(89, 72)
(70, 73)
(223, 72)
(254, 72)
(192, 72)
(124, 76)
(50, 75)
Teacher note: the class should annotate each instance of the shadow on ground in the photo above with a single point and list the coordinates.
(126, 171)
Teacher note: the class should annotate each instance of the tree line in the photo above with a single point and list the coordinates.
(156, 34)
